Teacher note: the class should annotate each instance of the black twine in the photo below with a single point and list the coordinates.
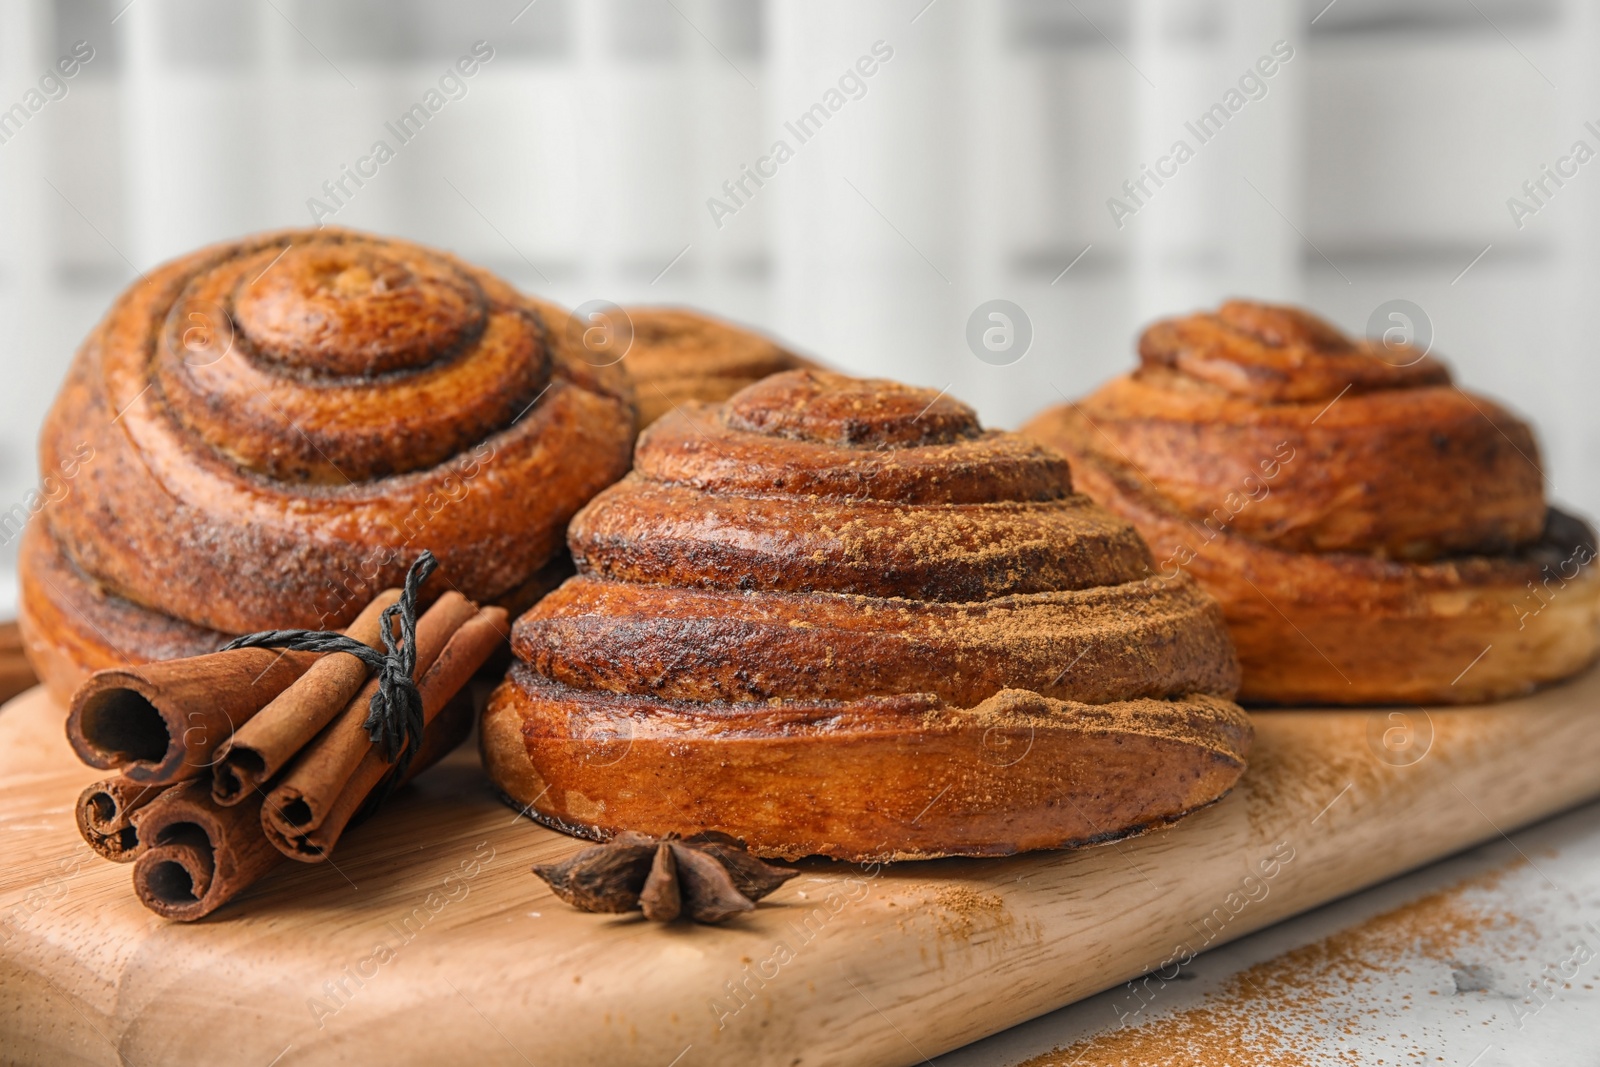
(394, 718)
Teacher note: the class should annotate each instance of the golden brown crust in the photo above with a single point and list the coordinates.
(679, 356)
(1137, 639)
(1369, 529)
(68, 620)
(1409, 473)
(679, 535)
(1276, 355)
(873, 779)
(275, 427)
(826, 588)
(697, 449)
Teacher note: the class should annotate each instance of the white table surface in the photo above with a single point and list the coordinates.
(1436, 967)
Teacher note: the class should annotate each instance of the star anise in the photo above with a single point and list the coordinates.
(708, 877)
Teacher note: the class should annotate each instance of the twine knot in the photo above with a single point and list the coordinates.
(394, 717)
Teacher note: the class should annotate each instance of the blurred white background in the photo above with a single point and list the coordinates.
(976, 162)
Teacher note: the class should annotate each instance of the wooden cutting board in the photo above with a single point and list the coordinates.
(431, 942)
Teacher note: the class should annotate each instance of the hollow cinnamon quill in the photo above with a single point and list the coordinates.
(261, 748)
(467, 650)
(105, 815)
(318, 775)
(162, 722)
(196, 855)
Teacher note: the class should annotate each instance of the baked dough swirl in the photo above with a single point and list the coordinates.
(1374, 533)
(679, 355)
(276, 427)
(817, 608)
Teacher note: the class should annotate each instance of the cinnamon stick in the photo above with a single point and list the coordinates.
(467, 650)
(317, 776)
(104, 814)
(162, 722)
(258, 750)
(196, 854)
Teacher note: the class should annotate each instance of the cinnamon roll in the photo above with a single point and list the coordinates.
(838, 617)
(679, 355)
(1374, 533)
(265, 433)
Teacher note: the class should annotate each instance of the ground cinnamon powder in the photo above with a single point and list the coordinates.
(1307, 1005)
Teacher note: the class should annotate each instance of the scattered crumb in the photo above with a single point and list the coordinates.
(967, 901)
(960, 910)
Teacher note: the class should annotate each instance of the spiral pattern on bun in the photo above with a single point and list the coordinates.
(277, 426)
(678, 355)
(810, 610)
(1370, 529)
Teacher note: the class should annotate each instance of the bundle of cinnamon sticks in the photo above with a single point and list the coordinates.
(230, 762)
